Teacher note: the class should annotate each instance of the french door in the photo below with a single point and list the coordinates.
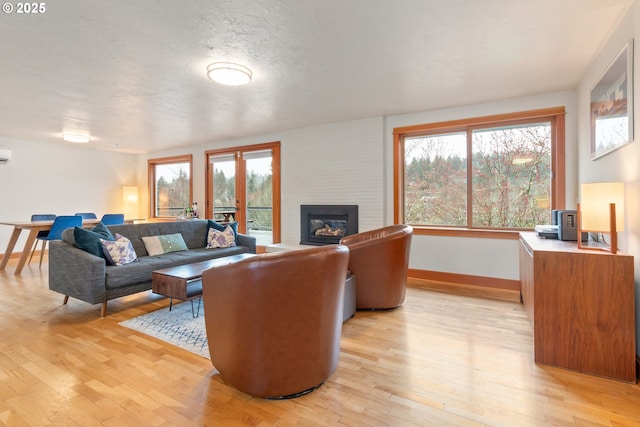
(243, 185)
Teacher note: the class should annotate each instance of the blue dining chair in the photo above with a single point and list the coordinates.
(42, 233)
(112, 219)
(60, 224)
(87, 215)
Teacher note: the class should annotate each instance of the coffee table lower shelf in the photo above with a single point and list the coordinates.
(173, 287)
(184, 282)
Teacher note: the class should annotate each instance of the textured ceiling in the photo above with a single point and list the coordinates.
(133, 73)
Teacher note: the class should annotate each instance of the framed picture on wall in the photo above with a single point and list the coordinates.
(612, 105)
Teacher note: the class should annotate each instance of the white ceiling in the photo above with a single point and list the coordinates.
(132, 73)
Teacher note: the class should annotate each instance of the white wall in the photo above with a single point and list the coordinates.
(621, 165)
(473, 256)
(61, 179)
(462, 255)
(341, 163)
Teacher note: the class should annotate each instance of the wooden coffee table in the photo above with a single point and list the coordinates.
(184, 282)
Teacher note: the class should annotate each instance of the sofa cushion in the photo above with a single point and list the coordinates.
(119, 251)
(194, 232)
(140, 271)
(164, 244)
(89, 240)
(221, 239)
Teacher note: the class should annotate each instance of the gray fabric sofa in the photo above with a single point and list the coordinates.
(81, 275)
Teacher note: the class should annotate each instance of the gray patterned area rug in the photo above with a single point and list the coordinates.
(177, 327)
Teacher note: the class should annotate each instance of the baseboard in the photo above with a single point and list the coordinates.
(465, 279)
(17, 255)
(637, 367)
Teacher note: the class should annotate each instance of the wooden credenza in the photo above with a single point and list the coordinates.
(581, 307)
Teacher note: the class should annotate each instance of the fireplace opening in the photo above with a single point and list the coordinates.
(327, 224)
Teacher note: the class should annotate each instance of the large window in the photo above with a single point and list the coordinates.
(170, 186)
(498, 172)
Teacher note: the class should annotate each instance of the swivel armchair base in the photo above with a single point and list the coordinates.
(294, 395)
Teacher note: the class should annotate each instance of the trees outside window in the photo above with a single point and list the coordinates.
(436, 179)
(511, 177)
(170, 186)
(495, 172)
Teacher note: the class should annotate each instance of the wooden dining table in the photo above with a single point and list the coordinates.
(33, 227)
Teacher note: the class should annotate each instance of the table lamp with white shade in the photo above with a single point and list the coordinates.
(601, 210)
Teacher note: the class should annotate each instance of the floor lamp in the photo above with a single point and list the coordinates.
(601, 210)
(130, 201)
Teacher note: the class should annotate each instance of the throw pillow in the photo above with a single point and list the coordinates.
(89, 240)
(221, 227)
(119, 251)
(221, 239)
(158, 245)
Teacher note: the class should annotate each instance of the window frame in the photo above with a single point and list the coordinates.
(276, 167)
(555, 115)
(151, 171)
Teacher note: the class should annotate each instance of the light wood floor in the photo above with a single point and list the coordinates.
(450, 356)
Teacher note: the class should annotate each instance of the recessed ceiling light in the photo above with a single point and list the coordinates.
(229, 74)
(76, 137)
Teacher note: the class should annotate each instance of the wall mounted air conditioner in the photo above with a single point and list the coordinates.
(5, 155)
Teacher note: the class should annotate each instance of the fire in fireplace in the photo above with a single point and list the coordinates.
(327, 224)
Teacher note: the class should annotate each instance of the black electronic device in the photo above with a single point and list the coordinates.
(568, 226)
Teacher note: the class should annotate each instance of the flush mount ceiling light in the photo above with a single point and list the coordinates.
(229, 74)
(521, 160)
(76, 137)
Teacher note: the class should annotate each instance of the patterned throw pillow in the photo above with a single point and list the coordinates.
(221, 239)
(158, 245)
(119, 251)
(220, 227)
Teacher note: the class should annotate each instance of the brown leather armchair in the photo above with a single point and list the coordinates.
(380, 259)
(274, 321)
